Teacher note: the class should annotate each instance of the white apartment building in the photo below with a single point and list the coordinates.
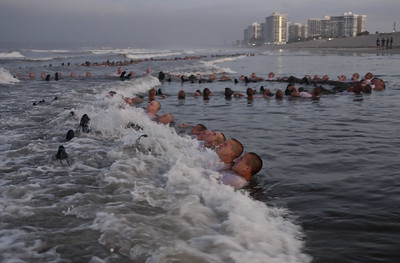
(276, 29)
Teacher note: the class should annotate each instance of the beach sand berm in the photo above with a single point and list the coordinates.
(362, 44)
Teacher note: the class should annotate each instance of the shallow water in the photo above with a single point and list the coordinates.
(328, 190)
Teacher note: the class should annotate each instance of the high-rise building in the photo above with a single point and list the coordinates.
(255, 31)
(304, 31)
(252, 34)
(361, 23)
(319, 27)
(345, 25)
(263, 30)
(296, 32)
(246, 37)
(276, 28)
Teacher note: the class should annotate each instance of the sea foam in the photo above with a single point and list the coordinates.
(6, 77)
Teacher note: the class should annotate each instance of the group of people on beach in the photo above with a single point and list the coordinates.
(384, 43)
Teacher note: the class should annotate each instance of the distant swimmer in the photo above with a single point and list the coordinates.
(128, 76)
(62, 155)
(166, 119)
(266, 92)
(279, 94)
(181, 95)
(84, 124)
(355, 77)
(228, 93)
(161, 76)
(271, 76)
(39, 102)
(152, 94)
(122, 75)
(255, 78)
(70, 135)
(377, 84)
(250, 93)
(153, 107)
(206, 94)
(197, 93)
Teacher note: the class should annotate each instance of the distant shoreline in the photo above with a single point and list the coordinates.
(358, 44)
(341, 50)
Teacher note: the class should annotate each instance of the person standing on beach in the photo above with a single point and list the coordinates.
(391, 42)
(378, 42)
(383, 43)
(387, 43)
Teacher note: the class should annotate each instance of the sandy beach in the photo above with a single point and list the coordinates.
(359, 44)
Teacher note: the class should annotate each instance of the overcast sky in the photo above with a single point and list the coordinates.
(170, 23)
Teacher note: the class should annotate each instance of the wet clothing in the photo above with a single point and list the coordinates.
(232, 179)
(305, 94)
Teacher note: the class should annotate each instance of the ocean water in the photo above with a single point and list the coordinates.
(328, 190)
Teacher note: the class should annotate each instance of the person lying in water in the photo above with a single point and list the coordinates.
(242, 171)
(229, 150)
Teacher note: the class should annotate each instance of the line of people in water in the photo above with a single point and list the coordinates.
(109, 63)
(341, 82)
(237, 167)
(366, 85)
(236, 172)
(230, 150)
(47, 77)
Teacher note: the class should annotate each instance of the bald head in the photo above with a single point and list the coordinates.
(213, 139)
(166, 118)
(229, 150)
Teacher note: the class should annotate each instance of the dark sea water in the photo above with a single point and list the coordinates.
(328, 190)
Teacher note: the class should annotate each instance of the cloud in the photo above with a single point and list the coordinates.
(82, 7)
(169, 21)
